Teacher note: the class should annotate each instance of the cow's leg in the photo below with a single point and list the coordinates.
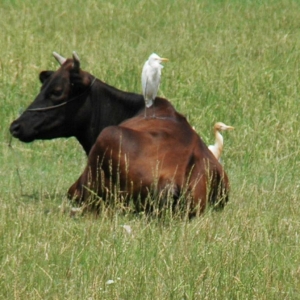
(84, 191)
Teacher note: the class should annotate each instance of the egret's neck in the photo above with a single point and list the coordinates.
(218, 142)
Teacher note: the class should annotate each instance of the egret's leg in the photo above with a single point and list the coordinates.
(153, 105)
(154, 116)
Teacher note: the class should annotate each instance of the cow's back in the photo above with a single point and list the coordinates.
(151, 154)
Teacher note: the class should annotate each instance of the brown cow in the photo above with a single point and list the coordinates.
(153, 157)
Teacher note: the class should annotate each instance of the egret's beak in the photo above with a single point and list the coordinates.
(163, 59)
(229, 127)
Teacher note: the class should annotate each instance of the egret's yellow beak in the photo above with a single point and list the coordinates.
(163, 59)
(230, 127)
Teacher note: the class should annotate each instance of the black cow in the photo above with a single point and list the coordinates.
(73, 102)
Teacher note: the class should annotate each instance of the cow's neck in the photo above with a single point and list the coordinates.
(107, 106)
(86, 141)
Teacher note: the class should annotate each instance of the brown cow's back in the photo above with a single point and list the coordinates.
(153, 154)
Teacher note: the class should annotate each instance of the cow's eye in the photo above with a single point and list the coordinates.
(56, 92)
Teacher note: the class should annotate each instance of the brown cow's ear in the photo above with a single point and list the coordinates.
(45, 75)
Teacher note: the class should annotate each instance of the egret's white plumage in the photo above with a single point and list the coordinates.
(217, 148)
(151, 77)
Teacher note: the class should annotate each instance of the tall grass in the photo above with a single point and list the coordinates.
(230, 61)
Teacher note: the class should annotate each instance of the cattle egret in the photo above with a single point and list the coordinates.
(151, 78)
(217, 148)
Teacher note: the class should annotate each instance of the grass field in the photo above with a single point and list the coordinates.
(230, 61)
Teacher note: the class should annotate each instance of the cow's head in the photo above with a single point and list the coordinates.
(58, 108)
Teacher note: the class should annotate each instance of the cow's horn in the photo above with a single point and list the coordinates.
(75, 56)
(76, 61)
(59, 58)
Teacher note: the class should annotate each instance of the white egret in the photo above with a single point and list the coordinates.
(217, 148)
(151, 78)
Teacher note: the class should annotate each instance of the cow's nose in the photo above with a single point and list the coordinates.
(14, 129)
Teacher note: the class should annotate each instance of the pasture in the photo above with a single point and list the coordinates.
(231, 61)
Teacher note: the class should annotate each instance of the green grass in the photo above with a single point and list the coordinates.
(230, 61)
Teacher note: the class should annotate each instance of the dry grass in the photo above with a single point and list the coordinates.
(230, 61)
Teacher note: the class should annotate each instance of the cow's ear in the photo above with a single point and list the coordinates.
(80, 79)
(45, 75)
